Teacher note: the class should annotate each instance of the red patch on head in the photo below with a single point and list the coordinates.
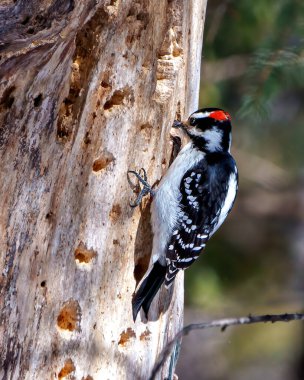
(220, 115)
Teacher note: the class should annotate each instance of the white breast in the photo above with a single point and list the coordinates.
(165, 205)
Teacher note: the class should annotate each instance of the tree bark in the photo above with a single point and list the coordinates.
(89, 89)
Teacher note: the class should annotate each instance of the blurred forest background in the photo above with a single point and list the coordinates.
(253, 67)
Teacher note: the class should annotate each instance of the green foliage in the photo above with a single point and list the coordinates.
(270, 74)
(271, 91)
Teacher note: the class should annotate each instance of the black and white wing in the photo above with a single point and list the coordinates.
(204, 191)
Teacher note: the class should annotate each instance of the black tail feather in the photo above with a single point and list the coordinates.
(147, 290)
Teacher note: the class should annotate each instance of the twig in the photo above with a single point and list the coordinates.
(223, 324)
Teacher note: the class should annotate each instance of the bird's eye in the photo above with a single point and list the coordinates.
(192, 121)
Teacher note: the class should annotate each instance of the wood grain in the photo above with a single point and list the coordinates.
(89, 89)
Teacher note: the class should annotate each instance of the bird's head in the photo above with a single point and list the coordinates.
(209, 129)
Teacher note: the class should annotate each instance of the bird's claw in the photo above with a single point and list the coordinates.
(142, 178)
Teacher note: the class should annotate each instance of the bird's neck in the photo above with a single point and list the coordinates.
(212, 142)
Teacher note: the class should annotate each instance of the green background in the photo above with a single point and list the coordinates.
(253, 67)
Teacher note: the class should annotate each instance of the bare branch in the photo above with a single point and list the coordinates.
(223, 324)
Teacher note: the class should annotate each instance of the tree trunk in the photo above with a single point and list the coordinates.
(89, 89)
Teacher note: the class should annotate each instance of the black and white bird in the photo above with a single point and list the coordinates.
(191, 202)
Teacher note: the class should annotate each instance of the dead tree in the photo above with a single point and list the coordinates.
(88, 90)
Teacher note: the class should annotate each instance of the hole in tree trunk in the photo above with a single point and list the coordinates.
(69, 316)
(67, 369)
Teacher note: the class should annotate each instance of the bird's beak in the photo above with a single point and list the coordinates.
(180, 124)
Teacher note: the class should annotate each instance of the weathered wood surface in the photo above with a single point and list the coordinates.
(88, 90)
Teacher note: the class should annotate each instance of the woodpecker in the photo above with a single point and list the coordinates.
(191, 202)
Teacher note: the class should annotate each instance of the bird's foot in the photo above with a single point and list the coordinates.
(146, 188)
